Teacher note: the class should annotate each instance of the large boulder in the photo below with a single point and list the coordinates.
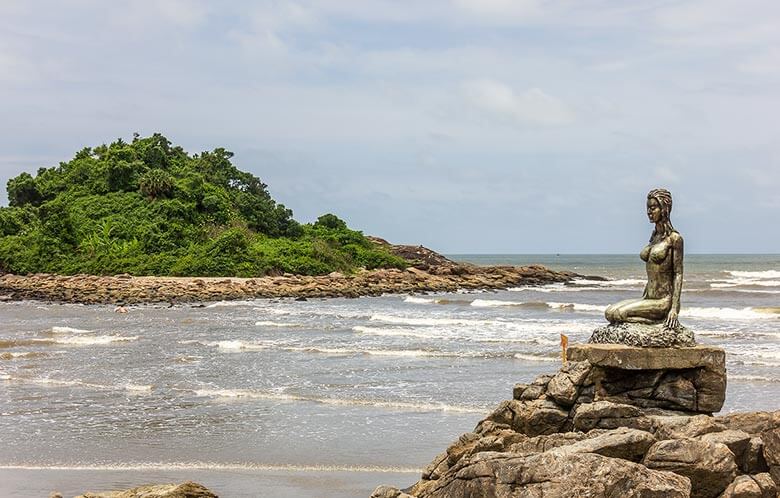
(751, 486)
(772, 452)
(682, 427)
(709, 466)
(184, 490)
(554, 475)
(736, 441)
(564, 388)
(608, 415)
(628, 444)
(752, 422)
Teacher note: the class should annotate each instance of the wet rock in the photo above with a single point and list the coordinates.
(184, 490)
(709, 466)
(552, 475)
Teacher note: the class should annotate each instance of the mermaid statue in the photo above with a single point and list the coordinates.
(652, 320)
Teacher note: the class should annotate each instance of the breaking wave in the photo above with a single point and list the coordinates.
(759, 313)
(393, 405)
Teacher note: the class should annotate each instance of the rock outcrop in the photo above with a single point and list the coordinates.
(184, 490)
(609, 425)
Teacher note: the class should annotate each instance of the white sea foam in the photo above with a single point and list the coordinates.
(755, 378)
(69, 330)
(535, 357)
(223, 304)
(610, 283)
(425, 333)
(81, 340)
(732, 313)
(268, 323)
(410, 320)
(419, 300)
(492, 303)
(50, 382)
(237, 345)
(578, 307)
(393, 405)
(737, 282)
(189, 466)
(754, 274)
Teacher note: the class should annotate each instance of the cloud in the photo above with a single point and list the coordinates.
(503, 11)
(530, 107)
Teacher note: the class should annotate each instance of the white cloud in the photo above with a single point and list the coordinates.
(531, 106)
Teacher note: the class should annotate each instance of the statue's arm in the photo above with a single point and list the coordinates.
(677, 263)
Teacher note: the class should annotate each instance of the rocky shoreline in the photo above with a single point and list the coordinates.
(428, 272)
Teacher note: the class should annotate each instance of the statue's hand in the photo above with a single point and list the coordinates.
(671, 321)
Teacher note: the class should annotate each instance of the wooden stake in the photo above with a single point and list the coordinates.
(564, 346)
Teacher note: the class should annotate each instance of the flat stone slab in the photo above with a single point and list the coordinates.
(638, 358)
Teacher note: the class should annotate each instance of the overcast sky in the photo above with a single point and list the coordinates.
(505, 126)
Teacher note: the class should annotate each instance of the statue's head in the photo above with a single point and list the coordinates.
(663, 199)
(659, 209)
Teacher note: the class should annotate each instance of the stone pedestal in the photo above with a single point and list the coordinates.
(691, 379)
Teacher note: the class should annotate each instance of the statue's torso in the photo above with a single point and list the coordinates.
(659, 260)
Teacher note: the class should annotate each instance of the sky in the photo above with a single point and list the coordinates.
(468, 126)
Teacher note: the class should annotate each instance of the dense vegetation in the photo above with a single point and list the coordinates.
(149, 208)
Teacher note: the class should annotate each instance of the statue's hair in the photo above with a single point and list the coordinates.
(664, 199)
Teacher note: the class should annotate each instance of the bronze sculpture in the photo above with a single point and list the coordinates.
(652, 320)
(664, 263)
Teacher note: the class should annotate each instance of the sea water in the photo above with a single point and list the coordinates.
(325, 397)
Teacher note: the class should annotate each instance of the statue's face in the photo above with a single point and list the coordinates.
(654, 212)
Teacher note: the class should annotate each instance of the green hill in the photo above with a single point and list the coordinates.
(150, 208)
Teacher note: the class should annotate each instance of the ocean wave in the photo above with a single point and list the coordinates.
(609, 283)
(407, 320)
(758, 313)
(10, 355)
(188, 466)
(233, 345)
(393, 405)
(400, 353)
(50, 382)
(419, 300)
(743, 282)
(754, 274)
